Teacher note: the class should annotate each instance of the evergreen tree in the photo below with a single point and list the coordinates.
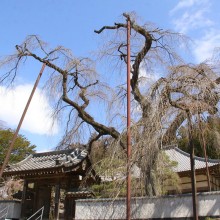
(22, 146)
(210, 128)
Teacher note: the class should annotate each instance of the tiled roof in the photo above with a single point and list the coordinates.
(49, 160)
(70, 158)
(183, 160)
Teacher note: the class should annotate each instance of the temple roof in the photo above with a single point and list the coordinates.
(54, 160)
(61, 161)
(183, 160)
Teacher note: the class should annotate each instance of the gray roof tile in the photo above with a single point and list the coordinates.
(183, 160)
(53, 159)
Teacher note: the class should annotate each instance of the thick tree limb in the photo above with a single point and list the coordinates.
(100, 128)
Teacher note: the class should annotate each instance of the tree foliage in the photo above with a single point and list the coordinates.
(158, 109)
(112, 169)
(110, 164)
(211, 133)
(22, 146)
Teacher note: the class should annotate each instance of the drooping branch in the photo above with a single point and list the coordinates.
(46, 61)
(138, 58)
(170, 134)
(92, 139)
(100, 128)
(189, 88)
(24, 51)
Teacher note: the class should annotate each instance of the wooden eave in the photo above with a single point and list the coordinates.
(213, 169)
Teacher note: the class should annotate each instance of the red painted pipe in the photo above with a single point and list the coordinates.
(20, 122)
(128, 123)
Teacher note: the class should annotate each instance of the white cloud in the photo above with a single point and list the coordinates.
(190, 21)
(145, 76)
(186, 4)
(205, 46)
(192, 14)
(37, 119)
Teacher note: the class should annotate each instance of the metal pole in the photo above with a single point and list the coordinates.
(205, 153)
(192, 163)
(128, 123)
(20, 122)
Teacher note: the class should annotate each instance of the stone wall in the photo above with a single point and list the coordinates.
(178, 206)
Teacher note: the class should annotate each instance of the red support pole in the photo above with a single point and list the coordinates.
(20, 122)
(128, 124)
(205, 153)
(192, 164)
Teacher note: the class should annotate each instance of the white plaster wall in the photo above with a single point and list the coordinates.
(11, 208)
(143, 208)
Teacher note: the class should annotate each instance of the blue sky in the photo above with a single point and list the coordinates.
(71, 23)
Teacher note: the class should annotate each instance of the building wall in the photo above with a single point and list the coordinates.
(215, 183)
(146, 208)
(201, 184)
(10, 209)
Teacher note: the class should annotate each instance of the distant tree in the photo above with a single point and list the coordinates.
(211, 133)
(21, 148)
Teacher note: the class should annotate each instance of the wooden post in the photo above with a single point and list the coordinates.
(23, 203)
(57, 201)
(36, 196)
(67, 206)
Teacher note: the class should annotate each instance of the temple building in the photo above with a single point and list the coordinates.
(52, 180)
(183, 169)
(55, 180)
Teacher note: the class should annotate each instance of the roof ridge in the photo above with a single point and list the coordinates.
(196, 157)
(67, 158)
(55, 152)
(21, 162)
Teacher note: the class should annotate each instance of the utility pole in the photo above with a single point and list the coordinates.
(192, 163)
(205, 153)
(128, 122)
(20, 122)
